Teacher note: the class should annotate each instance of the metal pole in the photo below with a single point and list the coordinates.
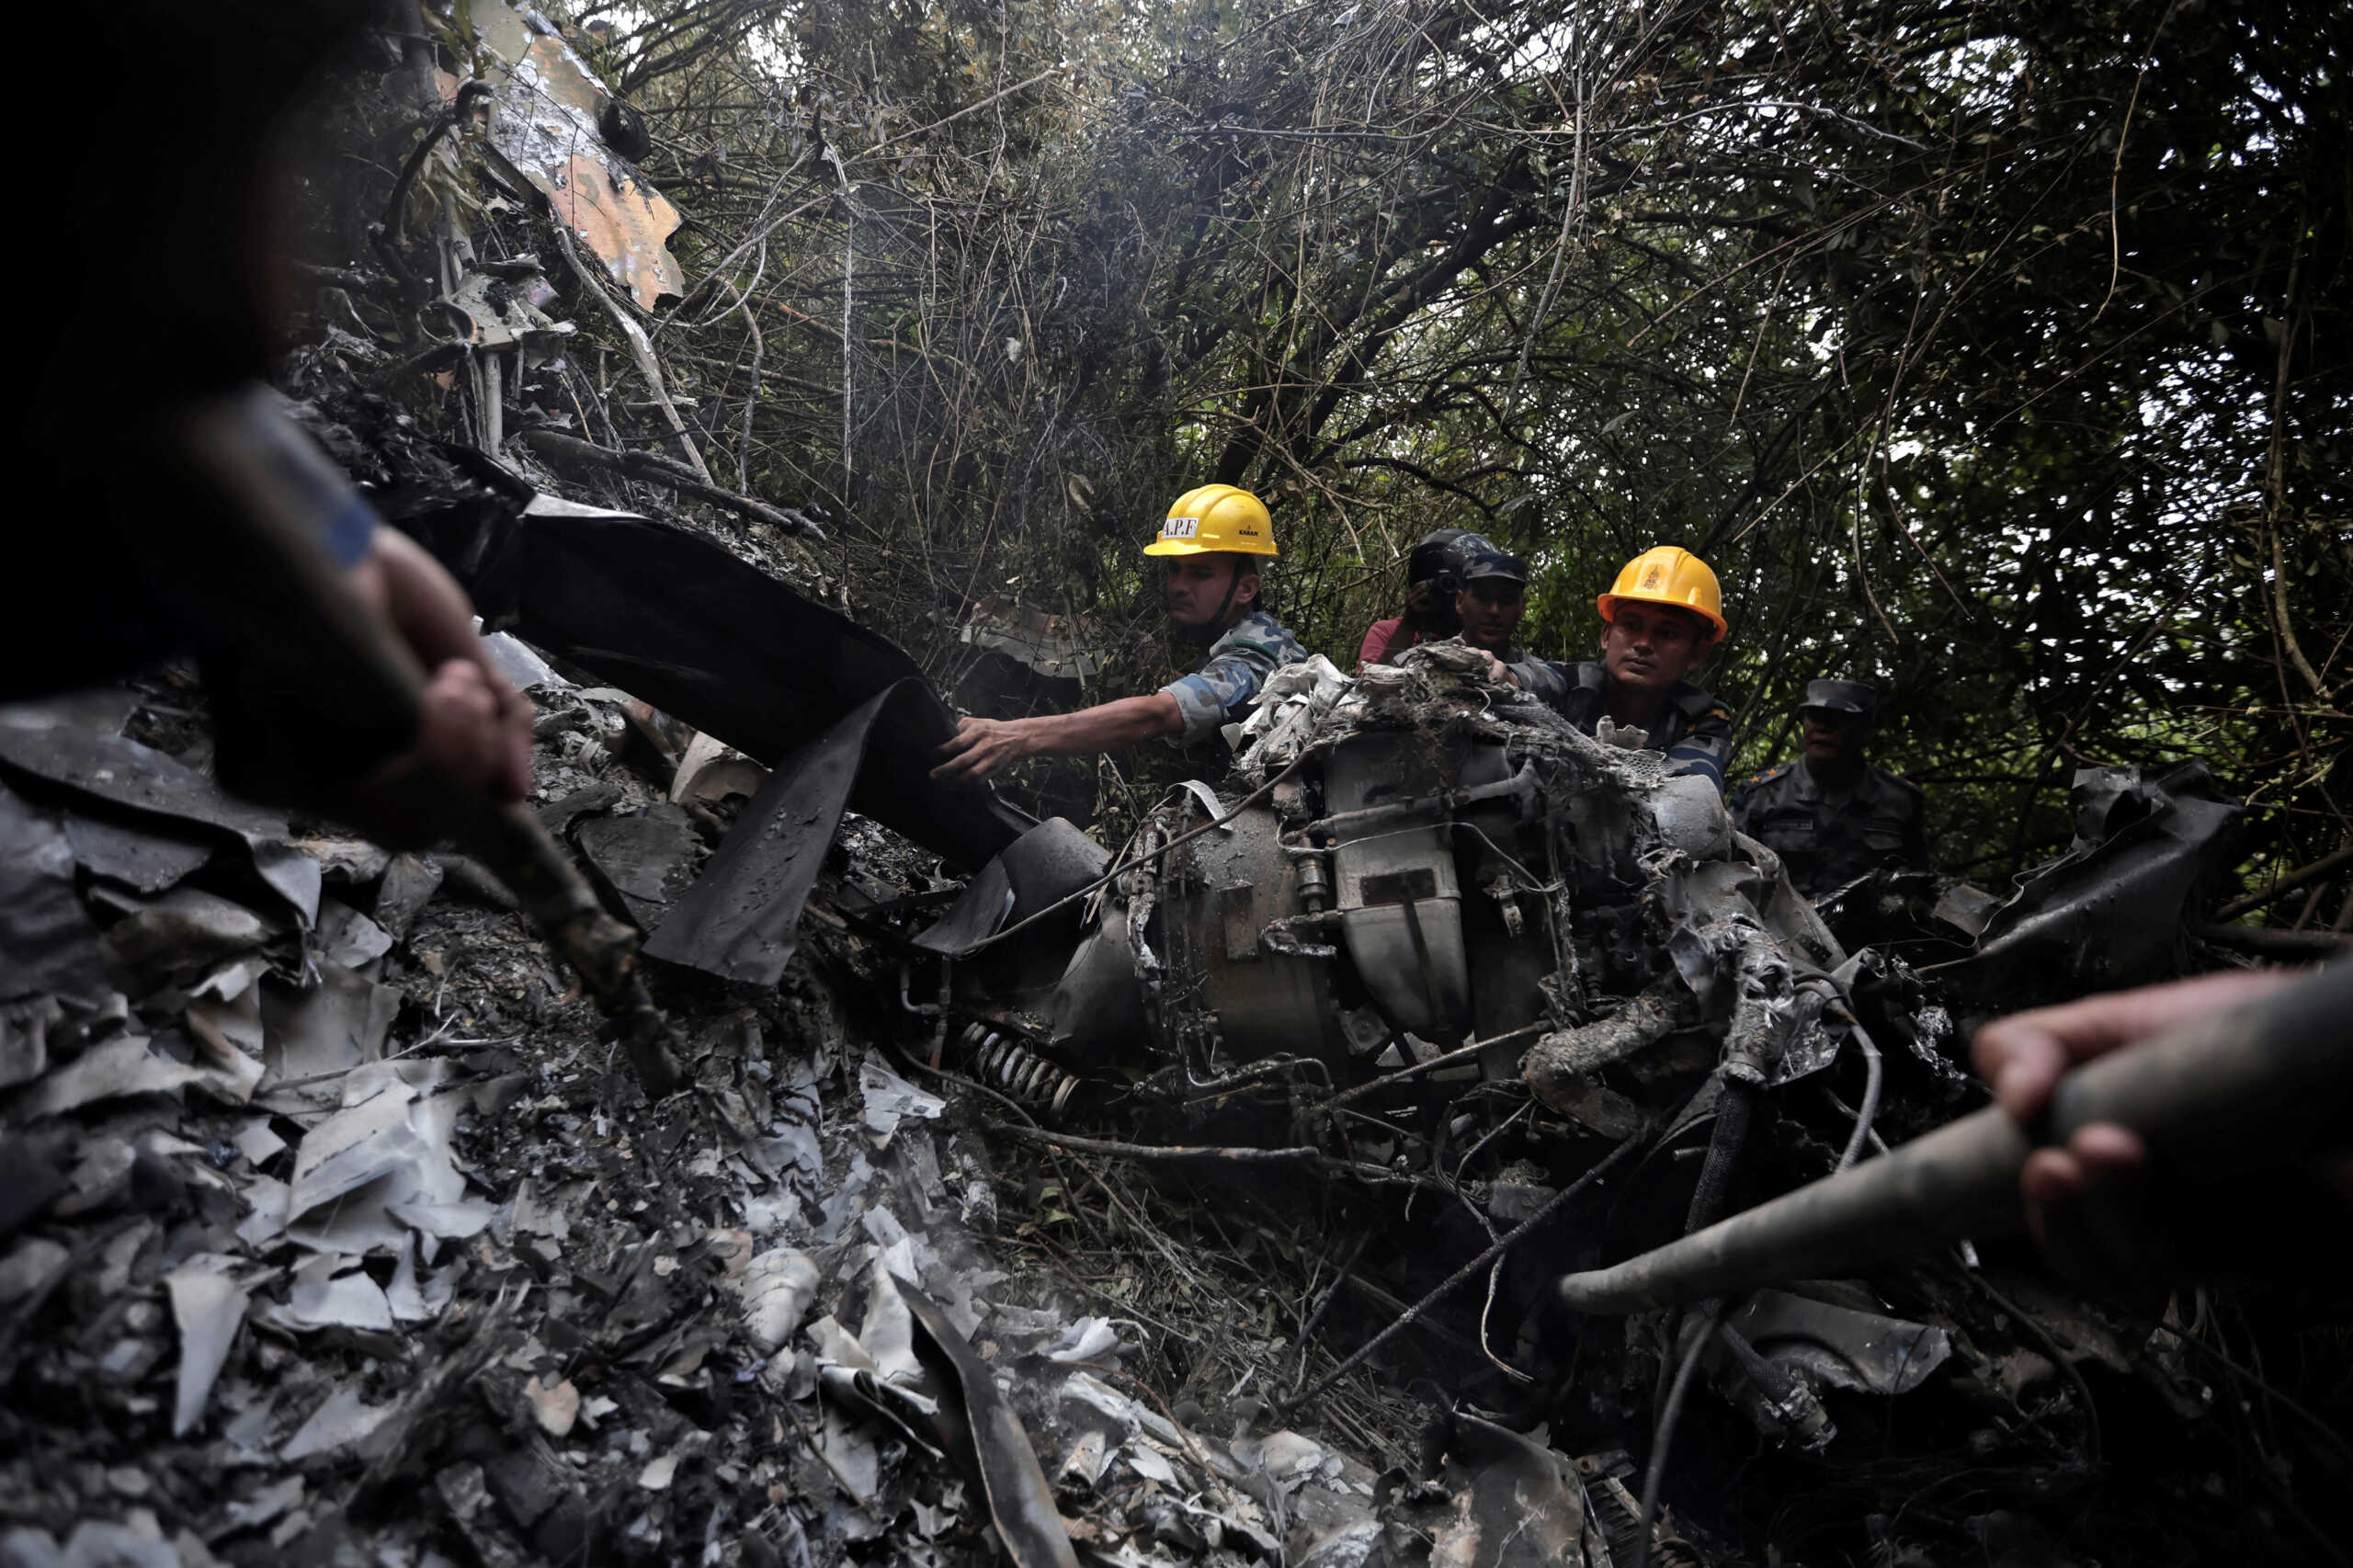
(2254, 1088)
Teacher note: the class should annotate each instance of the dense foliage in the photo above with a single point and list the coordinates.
(1999, 355)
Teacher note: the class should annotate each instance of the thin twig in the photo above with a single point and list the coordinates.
(1456, 1057)
(1299, 1346)
(2319, 869)
(663, 471)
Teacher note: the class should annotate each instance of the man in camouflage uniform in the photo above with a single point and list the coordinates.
(1214, 538)
(1492, 601)
(1237, 664)
(1659, 621)
(1829, 814)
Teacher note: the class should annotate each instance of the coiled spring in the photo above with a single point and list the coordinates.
(1007, 1065)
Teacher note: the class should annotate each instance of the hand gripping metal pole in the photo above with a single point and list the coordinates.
(2258, 1088)
(259, 568)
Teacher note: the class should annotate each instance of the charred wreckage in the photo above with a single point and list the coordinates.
(331, 1234)
(1496, 1001)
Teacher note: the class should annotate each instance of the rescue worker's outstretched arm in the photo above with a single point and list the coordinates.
(980, 748)
(1212, 538)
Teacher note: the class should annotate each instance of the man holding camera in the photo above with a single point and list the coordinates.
(1433, 576)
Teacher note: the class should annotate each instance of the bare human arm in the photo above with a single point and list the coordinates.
(984, 746)
(1420, 600)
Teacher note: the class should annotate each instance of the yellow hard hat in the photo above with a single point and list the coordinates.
(1667, 574)
(1215, 517)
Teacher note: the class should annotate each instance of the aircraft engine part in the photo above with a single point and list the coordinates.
(1098, 1000)
(1006, 1065)
(1219, 894)
(1690, 812)
(1508, 920)
(1395, 882)
(1450, 877)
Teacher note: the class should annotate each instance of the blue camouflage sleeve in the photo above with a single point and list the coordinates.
(1219, 692)
(1543, 678)
(1740, 806)
(1706, 749)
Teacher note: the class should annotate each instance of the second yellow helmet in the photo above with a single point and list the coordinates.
(1215, 517)
(1667, 574)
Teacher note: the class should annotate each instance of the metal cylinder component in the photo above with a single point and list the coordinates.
(1314, 884)
(2253, 1088)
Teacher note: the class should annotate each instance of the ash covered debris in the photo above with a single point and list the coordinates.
(337, 1237)
(1522, 1004)
(338, 1233)
(329, 1231)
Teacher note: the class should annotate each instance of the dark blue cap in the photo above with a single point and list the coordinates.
(1841, 697)
(1510, 568)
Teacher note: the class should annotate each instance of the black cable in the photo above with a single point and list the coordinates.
(1734, 1104)
(2057, 1355)
(1705, 1313)
(2269, 1390)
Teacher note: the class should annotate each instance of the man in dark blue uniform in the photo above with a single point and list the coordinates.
(1829, 814)
(1659, 622)
(1493, 600)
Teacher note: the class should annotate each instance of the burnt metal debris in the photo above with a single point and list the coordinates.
(676, 621)
(548, 121)
(1230, 1175)
(360, 1248)
(1202, 1202)
(1426, 937)
(319, 1188)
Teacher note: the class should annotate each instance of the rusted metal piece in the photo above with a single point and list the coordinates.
(2250, 1089)
(544, 125)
